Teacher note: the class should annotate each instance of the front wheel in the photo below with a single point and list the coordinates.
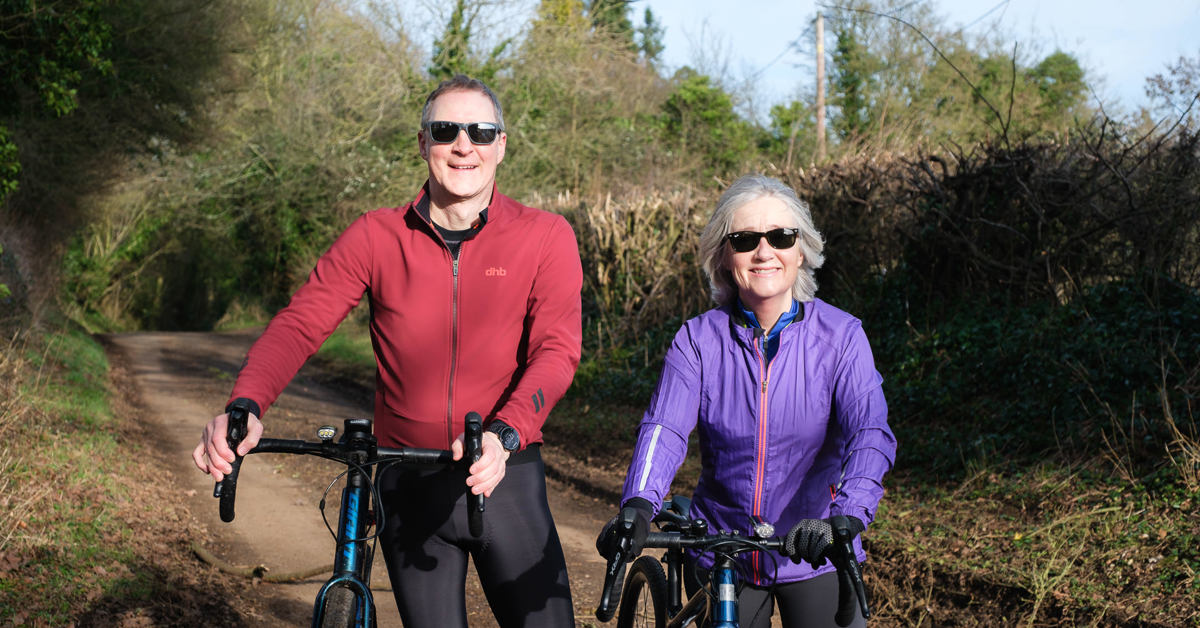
(644, 599)
(340, 603)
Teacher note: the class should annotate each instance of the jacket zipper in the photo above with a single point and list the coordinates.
(761, 454)
(453, 349)
(453, 330)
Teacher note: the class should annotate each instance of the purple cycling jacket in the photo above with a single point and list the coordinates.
(803, 436)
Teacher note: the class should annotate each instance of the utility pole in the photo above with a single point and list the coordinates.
(820, 88)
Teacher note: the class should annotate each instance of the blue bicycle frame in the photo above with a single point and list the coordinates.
(352, 557)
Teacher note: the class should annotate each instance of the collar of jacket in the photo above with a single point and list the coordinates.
(744, 331)
(420, 207)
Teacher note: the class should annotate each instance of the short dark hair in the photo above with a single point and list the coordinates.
(465, 83)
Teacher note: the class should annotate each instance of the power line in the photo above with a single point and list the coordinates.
(1002, 3)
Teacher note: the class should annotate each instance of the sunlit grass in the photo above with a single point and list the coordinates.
(60, 524)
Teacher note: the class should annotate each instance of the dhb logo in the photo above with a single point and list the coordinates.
(495, 272)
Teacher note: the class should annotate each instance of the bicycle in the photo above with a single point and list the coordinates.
(651, 598)
(345, 599)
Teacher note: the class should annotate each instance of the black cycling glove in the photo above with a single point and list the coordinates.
(637, 510)
(809, 541)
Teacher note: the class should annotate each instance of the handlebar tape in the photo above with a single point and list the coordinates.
(852, 593)
(614, 573)
(473, 439)
(226, 489)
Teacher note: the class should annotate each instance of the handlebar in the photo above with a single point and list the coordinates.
(356, 447)
(849, 574)
(614, 571)
(226, 489)
(680, 531)
(473, 440)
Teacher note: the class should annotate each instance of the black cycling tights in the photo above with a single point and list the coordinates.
(520, 562)
(807, 603)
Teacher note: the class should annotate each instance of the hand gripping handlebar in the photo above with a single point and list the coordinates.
(226, 489)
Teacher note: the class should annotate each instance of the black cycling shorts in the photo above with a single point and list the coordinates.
(808, 603)
(519, 559)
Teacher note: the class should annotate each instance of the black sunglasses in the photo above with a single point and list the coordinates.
(746, 241)
(442, 132)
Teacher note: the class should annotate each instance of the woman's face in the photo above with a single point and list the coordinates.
(764, 275)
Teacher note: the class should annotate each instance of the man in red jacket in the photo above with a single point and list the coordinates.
(474, 306)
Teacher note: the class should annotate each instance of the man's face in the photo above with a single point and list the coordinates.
(461, 171)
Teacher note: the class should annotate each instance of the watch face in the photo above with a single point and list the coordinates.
(508, 438)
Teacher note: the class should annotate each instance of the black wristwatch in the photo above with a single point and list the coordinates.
(509, 438)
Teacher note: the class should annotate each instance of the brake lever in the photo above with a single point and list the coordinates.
(843, 540)
(226, 489)
(473, 439)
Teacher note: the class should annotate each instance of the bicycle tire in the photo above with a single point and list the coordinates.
(644, 598)
(340, 603)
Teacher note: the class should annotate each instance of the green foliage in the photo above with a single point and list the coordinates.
(1059, 81)
(452, 53)
(46, 52)
(611, 17)
(899, 77)
(300, 153)
(699, 123)
(854, 69)
(10, 164)
(580, 108)
(1006, 386)
(650, 38)
(47, 49)
(5, 291)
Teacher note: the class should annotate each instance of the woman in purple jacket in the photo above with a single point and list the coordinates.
(783, 389)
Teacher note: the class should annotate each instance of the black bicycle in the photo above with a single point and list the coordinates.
(345, 599)
(651, 598)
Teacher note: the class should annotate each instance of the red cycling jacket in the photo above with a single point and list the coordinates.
(497, 332)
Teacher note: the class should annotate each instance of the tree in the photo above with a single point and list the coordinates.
(1059, 80)
(795, 117)
(650, 38)
(853, 79)
(700, 123)
(612, 17)
(1175, 93)
(452, 51)
(45, 53)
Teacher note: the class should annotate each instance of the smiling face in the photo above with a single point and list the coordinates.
(461, 173)
(764, 276)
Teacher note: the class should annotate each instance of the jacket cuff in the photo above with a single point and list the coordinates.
(249, 405)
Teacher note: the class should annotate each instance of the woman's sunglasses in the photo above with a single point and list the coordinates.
(746, 241)
(442, 132)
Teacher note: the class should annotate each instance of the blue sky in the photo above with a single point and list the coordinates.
(1121, 43)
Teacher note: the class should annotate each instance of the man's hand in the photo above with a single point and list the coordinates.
(213, 455)
(486, 473)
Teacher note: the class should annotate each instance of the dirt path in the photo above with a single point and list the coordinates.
(183, 378)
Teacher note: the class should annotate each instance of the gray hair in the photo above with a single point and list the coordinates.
(461, 82)
(714, 253)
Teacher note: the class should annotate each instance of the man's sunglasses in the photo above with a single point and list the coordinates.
(746, 241)
(442, 132)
